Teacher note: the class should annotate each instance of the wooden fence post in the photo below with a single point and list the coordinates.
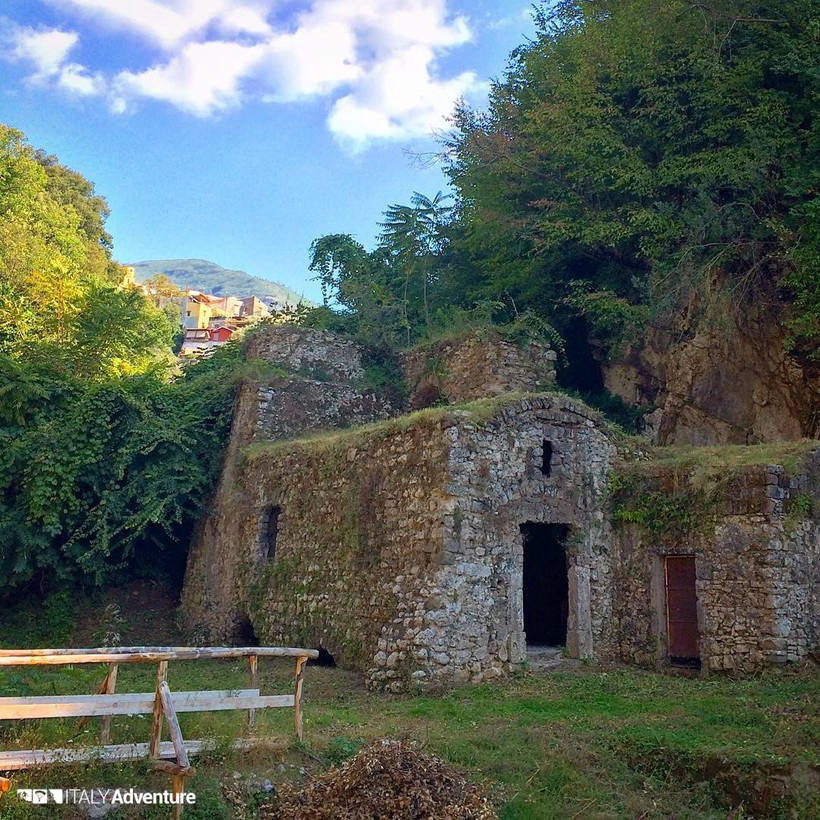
(156, 719)
(297, 696)
(253, 676)
(183, 767)
(108, 689)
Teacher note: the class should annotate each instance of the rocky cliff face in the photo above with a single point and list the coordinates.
(732, 385)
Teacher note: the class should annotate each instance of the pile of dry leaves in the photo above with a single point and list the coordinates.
(387, 779)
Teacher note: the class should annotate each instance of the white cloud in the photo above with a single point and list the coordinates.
(76, 79)
(46, 51)
(397, 97)
(375, 59)
(167, 23)
(201, 79)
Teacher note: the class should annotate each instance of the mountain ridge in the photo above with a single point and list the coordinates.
(209, 277)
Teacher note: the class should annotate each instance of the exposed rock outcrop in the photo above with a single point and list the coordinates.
(733, 385)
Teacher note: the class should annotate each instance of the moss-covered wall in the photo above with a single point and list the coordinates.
(473, 366)
(754, 532)
(359, 535)
(399, 548)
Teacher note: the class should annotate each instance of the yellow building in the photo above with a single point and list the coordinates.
(129, 277)
(196, 312)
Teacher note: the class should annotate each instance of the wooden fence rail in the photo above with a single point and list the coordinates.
(162, 704)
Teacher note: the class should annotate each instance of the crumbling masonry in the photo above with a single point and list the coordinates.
(430, 548)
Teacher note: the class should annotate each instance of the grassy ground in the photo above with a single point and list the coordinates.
(590, 742)
(584, 742)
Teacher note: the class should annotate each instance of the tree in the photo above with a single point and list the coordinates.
(638, 152)
(58, 298)
(358, 283)
(414, 235)
(107, 451)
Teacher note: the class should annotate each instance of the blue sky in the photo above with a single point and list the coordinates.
(240, 130)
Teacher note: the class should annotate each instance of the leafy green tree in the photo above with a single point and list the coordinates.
(637, 153)
(102, 479)
(107, 451)
(356, 282)
(58, 297)
(414, 236)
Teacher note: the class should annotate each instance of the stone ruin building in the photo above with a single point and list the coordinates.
(435, 547)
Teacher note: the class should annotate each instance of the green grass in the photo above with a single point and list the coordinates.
(788, 454)
(588, 743)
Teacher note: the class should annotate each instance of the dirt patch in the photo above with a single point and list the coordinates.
(388, 779)
(141, 613)
(758, 788)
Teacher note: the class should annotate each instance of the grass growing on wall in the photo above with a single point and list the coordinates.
(788, 454)
(479, 411)
(675, 491)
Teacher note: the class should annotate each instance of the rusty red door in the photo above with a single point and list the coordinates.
(681, 607)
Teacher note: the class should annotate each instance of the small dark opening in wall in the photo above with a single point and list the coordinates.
(685, 663)
(269, 531)
(546, 457)
(324, 659)
(244, 634)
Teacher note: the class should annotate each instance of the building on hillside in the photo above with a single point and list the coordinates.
(129, 277)
(196, 311)
(229, 307)
(195, 340)
(220, 335)
(440, 547)
(198, 340)
(252, 307)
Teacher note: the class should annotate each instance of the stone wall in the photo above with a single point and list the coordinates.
(317, 382)
(294, 406)
(307, 351)
(311, 381)
(398, 546)
(474, 366)
(757, 563)
(496, 483)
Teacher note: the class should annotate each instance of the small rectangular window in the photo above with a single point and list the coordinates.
(269, 531)
(546, 457)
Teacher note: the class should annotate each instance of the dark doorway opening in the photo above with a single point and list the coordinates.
(546, 590)
(244, 633)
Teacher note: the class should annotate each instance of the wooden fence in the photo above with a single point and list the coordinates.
(171, 757)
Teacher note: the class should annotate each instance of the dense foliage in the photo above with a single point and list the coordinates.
(639, 160)
(638, 156)
(106, 452)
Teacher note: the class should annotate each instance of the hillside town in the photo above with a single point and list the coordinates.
(206, 320)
